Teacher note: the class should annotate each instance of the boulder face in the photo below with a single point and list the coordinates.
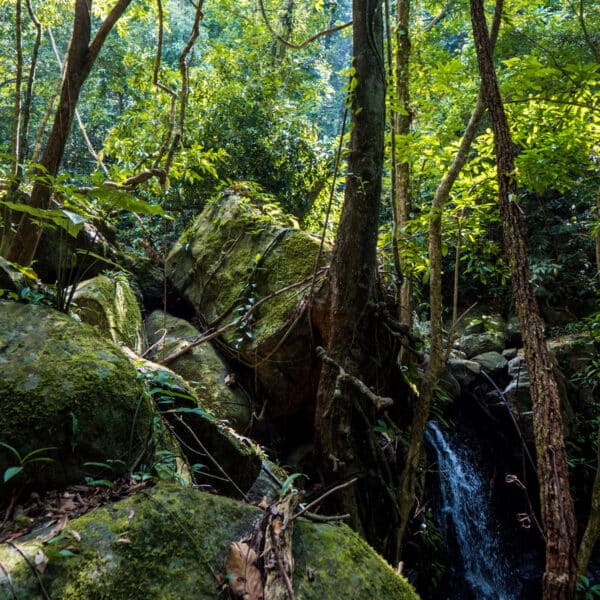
(231, 462)
(200, 367)
(110, 305)
(173, 542)
(474, 344)
(64, 386)
(235, 257)
(11, 279)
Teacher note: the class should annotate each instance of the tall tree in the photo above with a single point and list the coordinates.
(353, 266)
(558, 518)
(437, 352)
(401, 127)
(82, 53)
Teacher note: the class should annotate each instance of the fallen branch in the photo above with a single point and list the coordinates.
(378, 401)
(278, 556)
(209, 335)
(322, 497)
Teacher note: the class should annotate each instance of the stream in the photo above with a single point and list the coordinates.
(465, 519)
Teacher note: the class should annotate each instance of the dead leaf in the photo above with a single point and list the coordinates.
(245, 579)
(264, 503)
(40, 560)
(55, 530)
(74, 534)
(67, 505)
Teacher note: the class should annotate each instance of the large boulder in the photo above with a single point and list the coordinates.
(173, 543)
(200, 367)
(466, 372)
(12, 279)
(110, 304)
(492, 363)
(235, 257)
(474, 344)
(64, 386)
(228, 461)
(573, 352)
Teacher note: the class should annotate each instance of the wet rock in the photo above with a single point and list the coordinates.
(492, 363)
(465, 372)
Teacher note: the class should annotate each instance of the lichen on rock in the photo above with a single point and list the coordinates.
(109, 304)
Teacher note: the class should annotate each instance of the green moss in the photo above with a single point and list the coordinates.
(200, 367)
(172, 542)
(233, 256)
(110, 305)
(62, 385)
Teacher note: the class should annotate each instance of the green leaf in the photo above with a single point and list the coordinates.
(288, 482)
(11, 472)
(29, 457)
(13, 450)
(71, 222)
(116, 199)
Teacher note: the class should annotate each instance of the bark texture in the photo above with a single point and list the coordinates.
(558, 520)
(402, 122)
(592, 529)
(353, 265)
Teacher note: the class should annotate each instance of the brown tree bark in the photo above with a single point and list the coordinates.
(558, 520)
(592, 529)
(401, 127)
(353, 266)
(437, 353)
(80, 59)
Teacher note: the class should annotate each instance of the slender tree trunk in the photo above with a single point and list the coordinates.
(401, 127)
(26, 110)
(80, 60)
(16, 127)
(437, 358)
(353, 265)
(598, 236)
(592, 530)
(558, 518)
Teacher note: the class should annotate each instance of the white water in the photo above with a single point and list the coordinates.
(466, 516)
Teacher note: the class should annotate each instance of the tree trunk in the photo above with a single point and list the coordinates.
(402, 122)
(598, 236)
(437, 357)
(558, 518)
(592, 530)
(80, 60)
(353, 265)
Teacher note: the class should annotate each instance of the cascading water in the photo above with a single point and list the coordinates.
(465, 515)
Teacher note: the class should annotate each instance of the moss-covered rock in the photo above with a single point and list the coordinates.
(110, 305)
(64, 386)
(11, 279)
(229, 260)
(231, 463)
(200, 367)
(172, 543)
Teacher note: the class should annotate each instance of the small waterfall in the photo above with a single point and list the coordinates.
(465, 515)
